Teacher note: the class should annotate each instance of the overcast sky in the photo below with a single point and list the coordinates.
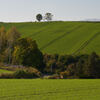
(26, 10)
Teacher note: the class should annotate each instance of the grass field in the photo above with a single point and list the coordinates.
(38, 89)
(62, 37)
(4, 71)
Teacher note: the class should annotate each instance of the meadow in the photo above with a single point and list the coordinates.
(61, 37)
(38, 89)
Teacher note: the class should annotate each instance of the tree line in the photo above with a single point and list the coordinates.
(15, 50)
(68, 66)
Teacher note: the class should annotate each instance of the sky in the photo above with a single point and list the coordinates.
(26, 10)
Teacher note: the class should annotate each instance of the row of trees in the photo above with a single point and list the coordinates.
(48, 17)
(68, 66)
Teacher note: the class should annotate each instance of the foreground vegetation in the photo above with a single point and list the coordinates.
(71, 37)
(49, 89)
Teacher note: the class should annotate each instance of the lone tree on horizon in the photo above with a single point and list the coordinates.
(39, 17)
(48, 16)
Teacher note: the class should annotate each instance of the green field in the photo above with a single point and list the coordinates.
(38, 89)
(4, 71)
(62, 37)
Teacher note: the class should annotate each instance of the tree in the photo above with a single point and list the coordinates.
(92, 67)
(39, 17)
(48, 16)
(12, 36)
(2, 39)
(79, 68)
(26, 53)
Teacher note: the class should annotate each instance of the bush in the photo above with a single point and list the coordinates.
(20, 74)
(25, 74)
(6, 76)
(64, 75)
(52, 77)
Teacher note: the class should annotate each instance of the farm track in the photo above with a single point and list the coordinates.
(60, 37)
(85, 44)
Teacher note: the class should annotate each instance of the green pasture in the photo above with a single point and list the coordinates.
(38, 89)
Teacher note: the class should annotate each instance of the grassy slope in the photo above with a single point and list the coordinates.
(62, 37)
(49, 89)
(4, 71)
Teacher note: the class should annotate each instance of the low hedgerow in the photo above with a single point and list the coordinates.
(6, 76)
(52, 77)
(25, 73)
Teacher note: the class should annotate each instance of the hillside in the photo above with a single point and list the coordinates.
(62, 37)
(4, 71)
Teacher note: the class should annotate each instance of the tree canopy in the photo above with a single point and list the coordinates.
(19, 51)
(39, 17)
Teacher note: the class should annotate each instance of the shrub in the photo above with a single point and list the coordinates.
(64, 75)
(20, 74)
(25, 74)
(52, 77)
(6, 76)
(35, 71)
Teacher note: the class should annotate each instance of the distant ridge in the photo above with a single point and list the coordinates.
(92, 20)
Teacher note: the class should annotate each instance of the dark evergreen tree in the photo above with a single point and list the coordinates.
(92, 66)
(39, 17)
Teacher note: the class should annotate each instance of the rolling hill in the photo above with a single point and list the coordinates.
(62, 37)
